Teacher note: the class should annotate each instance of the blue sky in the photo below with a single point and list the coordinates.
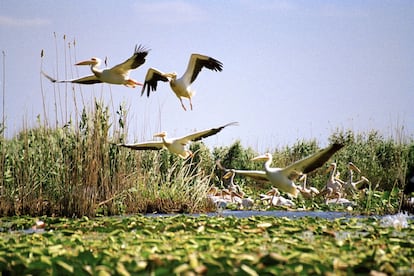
(293, 70)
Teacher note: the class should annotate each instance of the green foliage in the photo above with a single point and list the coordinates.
(205, 245)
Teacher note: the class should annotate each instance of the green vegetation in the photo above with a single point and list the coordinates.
(186, 245)
(77, 170)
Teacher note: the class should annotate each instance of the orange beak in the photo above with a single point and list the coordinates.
(86, 62)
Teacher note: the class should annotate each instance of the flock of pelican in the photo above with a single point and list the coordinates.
(119, 74)
(280, 178)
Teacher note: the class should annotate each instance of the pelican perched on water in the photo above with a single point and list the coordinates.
(118, 74)
(177, 146)
(181, 86)
(307, 192)
(333, 187)
(350, 186)
(233, 187)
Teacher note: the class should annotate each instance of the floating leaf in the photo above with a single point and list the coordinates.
(65, 266)
(250, 271)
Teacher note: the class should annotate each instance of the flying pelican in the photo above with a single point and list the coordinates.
(177, 146)
(118, 74)
(182, 86)
(281, 178)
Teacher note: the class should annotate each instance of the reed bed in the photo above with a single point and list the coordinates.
(77, 170)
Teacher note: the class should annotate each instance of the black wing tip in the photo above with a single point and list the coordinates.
(231, 124)
(141, 49)
(143, 88)
(216, 64)
(337, 146)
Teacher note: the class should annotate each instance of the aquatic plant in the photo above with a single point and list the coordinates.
(167, 245)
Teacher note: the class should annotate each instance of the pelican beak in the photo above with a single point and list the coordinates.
(353, 167)
(260, 158)
(171, 75)
(86, 62)
(366, 179)
(228, 174)
(161, 134)
(330, 168)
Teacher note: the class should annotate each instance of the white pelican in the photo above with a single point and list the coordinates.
(274, 199)
(177, 146)
(118, 74)
(350, 186)
(234, 188)
(181, 86)
(281, 178)
(333, 187)
(307, 192)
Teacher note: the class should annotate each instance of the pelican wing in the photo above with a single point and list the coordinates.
(256, 175)
(313, 161)
(137, 59)
(92, 79)
(151, 145)
(197, 62)
(151, 80)
(196, 136)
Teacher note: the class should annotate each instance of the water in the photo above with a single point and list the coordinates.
(287, 214)
(278, 213)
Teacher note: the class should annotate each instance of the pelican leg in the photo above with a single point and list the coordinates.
(182, 104)
(132, 83)
(191, 104)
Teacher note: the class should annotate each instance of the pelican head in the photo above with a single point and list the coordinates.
(331, 167)
(172, 75)
(229, 174)
(264, 157)
(351, 166)
(162, 134)
(365, 179)
(93, 61)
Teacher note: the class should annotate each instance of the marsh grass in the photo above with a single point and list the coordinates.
(77, 170)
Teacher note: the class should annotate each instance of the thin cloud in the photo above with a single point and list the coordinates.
(170, 12)
(9, 21)
(308, 8)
